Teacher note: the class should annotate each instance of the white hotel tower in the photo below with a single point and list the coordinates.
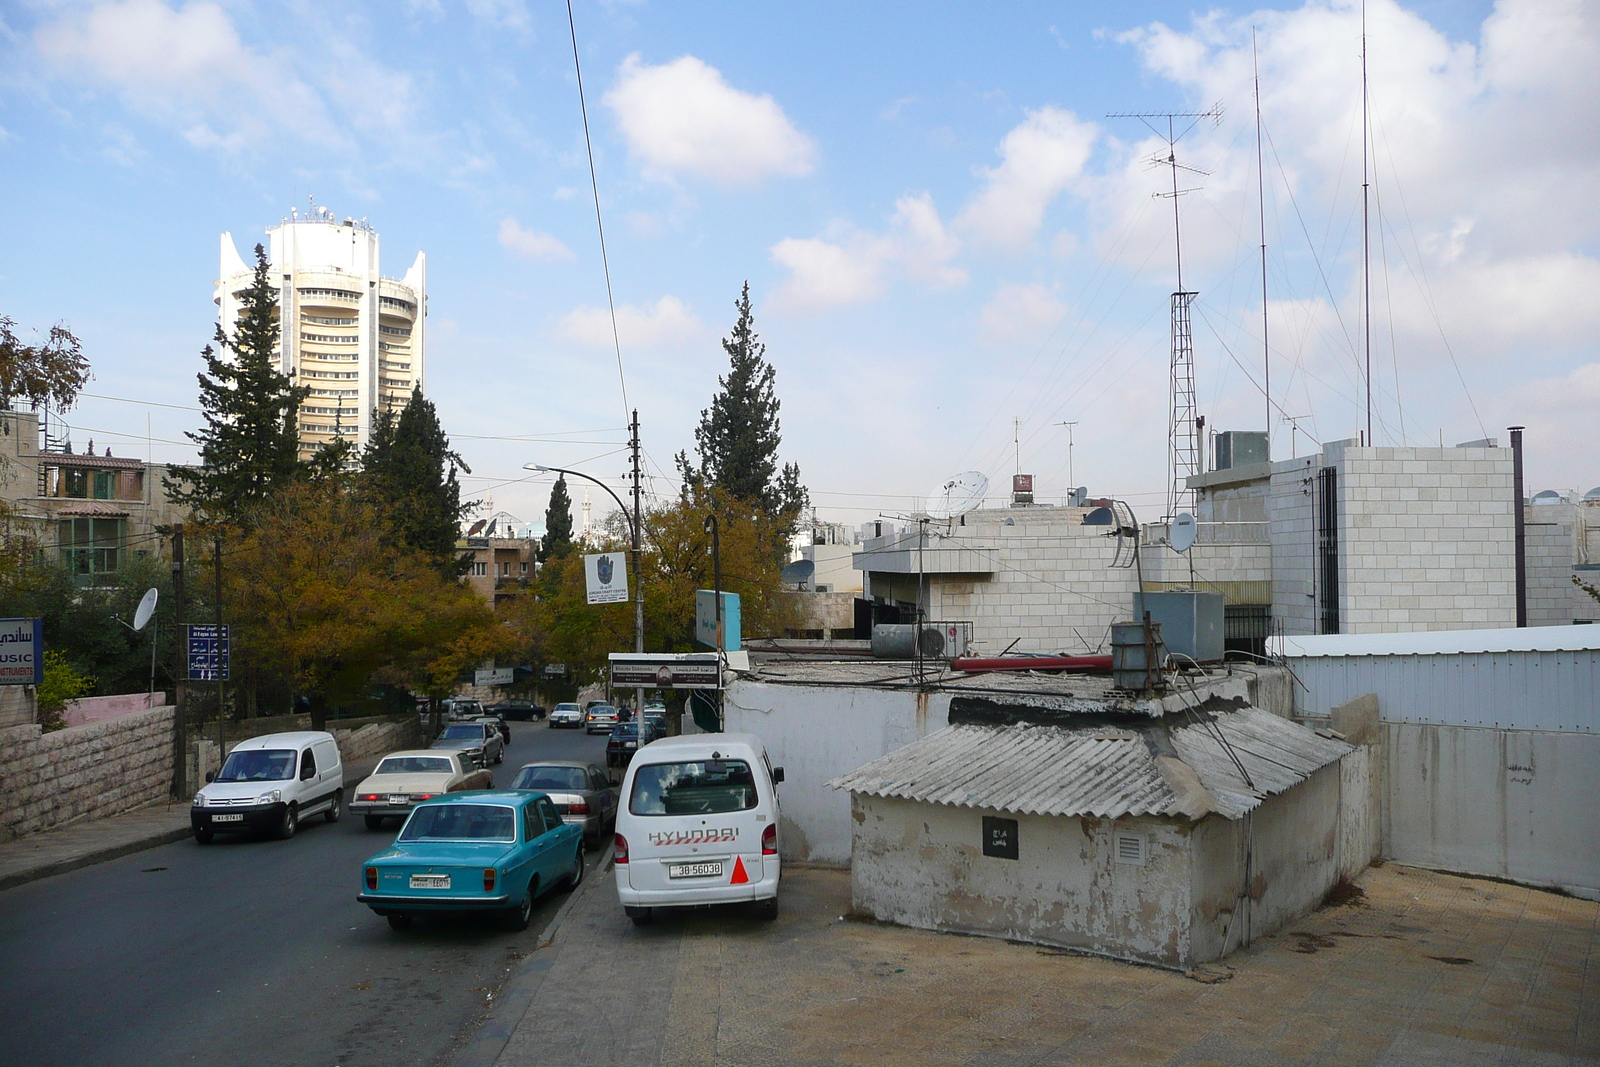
(354, 338)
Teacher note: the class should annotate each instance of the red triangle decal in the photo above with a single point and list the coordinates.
(739, 877)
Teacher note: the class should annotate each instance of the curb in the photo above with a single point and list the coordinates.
(518, 994)
(89, 859)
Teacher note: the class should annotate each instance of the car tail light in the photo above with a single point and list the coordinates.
(769, 840)
(488, 879)
(367, 796)
(423, 796)
(372, 877)
(621, 854)
(580, 808)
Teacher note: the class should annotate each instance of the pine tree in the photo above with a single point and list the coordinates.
(557, 522)
(738, 436)
(250, 446)
(409, 471)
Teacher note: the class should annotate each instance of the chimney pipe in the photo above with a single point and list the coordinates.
(1521, 527)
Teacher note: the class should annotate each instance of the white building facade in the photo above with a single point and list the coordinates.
(354, 338)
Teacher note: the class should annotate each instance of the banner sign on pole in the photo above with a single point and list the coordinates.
(705, 619)
(607, 577)
(21, 651)
(208, 653)
(665, 670)
(493, 675)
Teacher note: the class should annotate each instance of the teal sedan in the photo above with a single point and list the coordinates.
(482, 850)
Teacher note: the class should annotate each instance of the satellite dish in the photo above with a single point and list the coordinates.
(1080, 496)
(1593, 494)
(147, 608)
(1099, 517)
(958, 495)
(1547, 496)
(1182, 533)
(799, 572)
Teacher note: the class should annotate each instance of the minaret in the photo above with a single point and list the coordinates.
(586, 514)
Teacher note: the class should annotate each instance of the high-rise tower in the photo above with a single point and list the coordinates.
(354, 338)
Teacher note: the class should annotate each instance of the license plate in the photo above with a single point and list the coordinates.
(227, 818)
(694, 870)
(399, 798)
(430, 881)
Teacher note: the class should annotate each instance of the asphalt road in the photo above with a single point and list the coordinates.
(250, 952)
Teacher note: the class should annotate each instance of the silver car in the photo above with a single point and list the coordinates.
(600, 719)
(479, 743)
(581, 792)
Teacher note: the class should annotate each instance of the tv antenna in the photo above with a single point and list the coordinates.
(1183, 433)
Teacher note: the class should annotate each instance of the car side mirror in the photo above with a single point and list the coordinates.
(211, 776)
(777, 775)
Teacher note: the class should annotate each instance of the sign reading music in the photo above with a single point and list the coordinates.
(21, 651)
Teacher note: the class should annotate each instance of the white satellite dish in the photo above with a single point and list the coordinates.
(1182, 533)
(958, 495)
(147, 608)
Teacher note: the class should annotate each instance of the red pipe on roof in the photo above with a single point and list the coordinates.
(1079, 664)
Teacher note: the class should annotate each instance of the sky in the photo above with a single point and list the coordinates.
(955, 253)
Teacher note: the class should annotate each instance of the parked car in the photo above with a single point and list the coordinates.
(495, 851)
(462, 708)
(566, 715)
(518, 710)
(402, 780)
(699, 825)
(582, 793)
(270, 783)
(479, 743)
(600, 718)
(624, 741)
(499, 723)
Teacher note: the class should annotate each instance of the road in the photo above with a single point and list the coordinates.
(250, 952)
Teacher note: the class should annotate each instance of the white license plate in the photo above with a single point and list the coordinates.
(399, 798)
(228, 818)
(694, 870)
(430, 881)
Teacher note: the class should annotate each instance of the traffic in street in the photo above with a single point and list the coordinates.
(251, 950)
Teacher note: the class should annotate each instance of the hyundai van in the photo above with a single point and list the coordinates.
(698, 825)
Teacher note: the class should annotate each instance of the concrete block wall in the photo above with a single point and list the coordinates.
(88, 771)
(1291, 519)
(1557, 542)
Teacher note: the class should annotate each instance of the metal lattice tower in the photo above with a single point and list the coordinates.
(1183, 429)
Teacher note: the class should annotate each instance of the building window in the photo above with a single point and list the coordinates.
(91, 546)
(480, 570)
(524, 567)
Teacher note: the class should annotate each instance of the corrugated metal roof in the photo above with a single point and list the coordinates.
(1145, 769)
(1440, 642)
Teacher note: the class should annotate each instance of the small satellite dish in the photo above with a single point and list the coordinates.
(1182, 533)
(1099, 517)
(147, 608)
(958, 495)
(1593, 494)
(798, 572)
(1080, 496)
(1547, 496)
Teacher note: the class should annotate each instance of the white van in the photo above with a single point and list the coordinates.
(698, 825)
(270, 783)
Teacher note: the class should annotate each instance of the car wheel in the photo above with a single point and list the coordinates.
(203, 836)
(290, 823)
(575, 879)
(640, 916)
(374, 822)
(336, 810)
(400, 922)
(517, 918)
(765, 909)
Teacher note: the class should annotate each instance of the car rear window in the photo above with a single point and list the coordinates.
(466, 731)
(461, 822)
(414, 765)
(699, 787)
(562, 779)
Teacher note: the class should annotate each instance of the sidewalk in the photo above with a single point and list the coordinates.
(1426, 969)
(91, 841)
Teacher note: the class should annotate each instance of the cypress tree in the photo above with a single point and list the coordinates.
(557, 539)
(249, 446)
(409, 471)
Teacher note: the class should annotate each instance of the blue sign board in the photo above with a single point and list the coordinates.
(21, 651)
(705, 619)
(208, 653)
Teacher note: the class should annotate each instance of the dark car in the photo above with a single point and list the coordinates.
(624, 742)
(518, 710)
(582, 792)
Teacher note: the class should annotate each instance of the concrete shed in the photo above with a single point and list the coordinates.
(1171, 841)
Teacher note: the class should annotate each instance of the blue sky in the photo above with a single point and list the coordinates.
(941, 229)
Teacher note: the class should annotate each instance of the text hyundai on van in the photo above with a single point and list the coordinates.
(699, 825)
(270, 783)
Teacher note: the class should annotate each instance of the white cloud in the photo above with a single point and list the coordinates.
(922, 244)
(669, 321)
(1039, 159)
(683, 118)
(532, 244)
(500, 14)
(1025, 314)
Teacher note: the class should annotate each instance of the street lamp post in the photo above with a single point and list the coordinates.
(714, 529)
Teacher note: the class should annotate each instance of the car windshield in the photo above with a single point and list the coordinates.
(563, 779)
(415, 765)
(461, 822)
(259, 765)
(701, 787)
(567, 707)
(464, 732)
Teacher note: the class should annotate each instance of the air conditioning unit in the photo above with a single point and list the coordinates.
(934, 640)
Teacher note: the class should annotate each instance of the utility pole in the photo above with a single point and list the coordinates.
(222, 717)
(180, 742)
(1071, 481)
(638, 573)
(714, 529)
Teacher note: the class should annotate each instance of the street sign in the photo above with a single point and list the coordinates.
(493, 675)
(665, 670)
(606, 575)
(705, 619)
(209, 654)
(21, 651)
(555, 670)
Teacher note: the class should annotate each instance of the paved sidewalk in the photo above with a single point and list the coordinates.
(1427, 969)
(90, 841)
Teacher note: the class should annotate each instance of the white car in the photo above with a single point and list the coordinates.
(403, 779)
(270, 783)
(699, 825)
(566, 715)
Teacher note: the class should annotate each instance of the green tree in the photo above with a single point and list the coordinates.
(557, 539)
(410, 474)
(737, 440)
(53, 372)
(249, 446)
(62, 682)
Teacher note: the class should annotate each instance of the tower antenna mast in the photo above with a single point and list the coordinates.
(1183, 431)
(1366, 229)
(1261, 217)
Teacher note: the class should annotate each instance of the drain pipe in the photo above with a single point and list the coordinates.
(1521, 526)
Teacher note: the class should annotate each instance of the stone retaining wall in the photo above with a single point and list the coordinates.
(87, 771)
(365, 742)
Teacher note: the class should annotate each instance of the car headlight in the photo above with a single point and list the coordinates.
(270, 798)
(199, 800)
